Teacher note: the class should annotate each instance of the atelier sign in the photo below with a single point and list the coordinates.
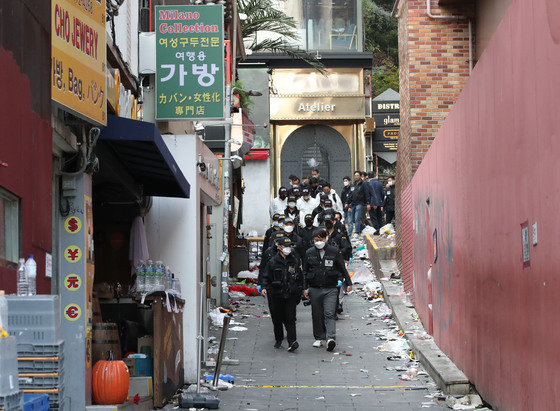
(313, 108)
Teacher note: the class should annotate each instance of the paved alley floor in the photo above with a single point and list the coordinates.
(355, 376)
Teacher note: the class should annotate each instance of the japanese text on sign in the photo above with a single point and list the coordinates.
(78, 57)
(189, 62)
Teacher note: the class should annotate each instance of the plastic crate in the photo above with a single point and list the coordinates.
(13, 402)
(46, 365)
(56, 398)
(41, 381)
(8, 366)
(35, 402)
(40, 350)
(35, 318)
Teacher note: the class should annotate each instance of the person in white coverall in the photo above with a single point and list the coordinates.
(279, 204)
(306, 204)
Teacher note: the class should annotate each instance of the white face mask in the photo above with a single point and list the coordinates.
(291, 204)
(320, 244)
(289, 228)
(389, 183)
(306, 197)
(275, 223)
(346, 183)
(286, 250)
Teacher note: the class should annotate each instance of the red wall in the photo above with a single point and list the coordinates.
(26, 145)
(495, 164)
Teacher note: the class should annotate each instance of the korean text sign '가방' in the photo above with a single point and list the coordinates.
(189, 62)
(78, 56)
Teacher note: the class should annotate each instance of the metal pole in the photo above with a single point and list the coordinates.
(221, 350)
(226, 179)
(199, 339)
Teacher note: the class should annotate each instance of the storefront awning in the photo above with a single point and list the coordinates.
(141, 149)
(257, 154)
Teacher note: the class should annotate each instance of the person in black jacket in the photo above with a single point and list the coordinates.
(268, 254)
(357, 203)
(306, 233)
(324, 271)
(282, 283)
(337, 239)
(291, 209)
(274, 227)
(339, 225)
(290, 232)
(389, 201)
(345, 197)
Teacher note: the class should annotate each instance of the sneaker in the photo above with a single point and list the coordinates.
(278, 344)
(293, 346)
(318, 343)
(331, 344)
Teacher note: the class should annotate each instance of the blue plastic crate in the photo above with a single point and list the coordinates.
(35, 402)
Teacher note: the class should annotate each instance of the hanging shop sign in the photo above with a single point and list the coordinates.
(189, 62)
(385, 107)
(385, 134)
(387, 120)
(78, 58)
(381, 146)
(313, 108)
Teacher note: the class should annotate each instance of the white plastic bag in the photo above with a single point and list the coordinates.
(217, 317)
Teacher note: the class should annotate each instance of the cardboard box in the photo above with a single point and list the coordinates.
(141, 386)
(146, 345)
(140, 367)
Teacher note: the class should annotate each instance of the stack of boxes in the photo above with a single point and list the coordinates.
(11, 398)
(35, 322)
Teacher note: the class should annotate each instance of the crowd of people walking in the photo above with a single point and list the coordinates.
(307, 249)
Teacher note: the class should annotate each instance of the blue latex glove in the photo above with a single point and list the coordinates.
(339, 284)
(351, 261)
(259, 289)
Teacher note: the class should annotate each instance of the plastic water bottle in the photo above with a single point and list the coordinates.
(160, 274)
(3, 312)
(141, 277)
(150, 279)
(31, 271)
(22, 282)
(168, 283)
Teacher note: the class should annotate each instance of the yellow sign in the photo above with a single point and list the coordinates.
(317, 108)
(73, 225)
(72, 282)
(72, 312)
(73, 254)
(78, 60)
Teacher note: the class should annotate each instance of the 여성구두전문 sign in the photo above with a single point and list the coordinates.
(78, 58)
(189, 62)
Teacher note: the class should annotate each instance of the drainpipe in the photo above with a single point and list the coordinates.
(453, 18)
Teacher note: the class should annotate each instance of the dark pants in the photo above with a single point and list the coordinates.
(283, 314)
(323, 310)
(389, 216)
(376, 217)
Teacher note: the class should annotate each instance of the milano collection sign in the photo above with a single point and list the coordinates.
(78, 57)
(189, 62)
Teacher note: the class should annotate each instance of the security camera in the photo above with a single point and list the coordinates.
(236, 158)
(198, 127)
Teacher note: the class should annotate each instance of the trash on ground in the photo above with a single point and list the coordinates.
(217, 317)
(238, 328)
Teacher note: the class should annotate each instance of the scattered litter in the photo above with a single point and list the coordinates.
(355, 395)
(361, 275)
(364, 371)
(387, 229)
(468, 402)
(248, 274)
(236, 294)
(217, 317)
(238, 328)
(320, 398)
(369, 230)
(428, 404)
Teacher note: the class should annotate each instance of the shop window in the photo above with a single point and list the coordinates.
(9, 228)
(315, 157)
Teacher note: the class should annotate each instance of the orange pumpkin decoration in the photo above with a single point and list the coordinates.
(110, 381)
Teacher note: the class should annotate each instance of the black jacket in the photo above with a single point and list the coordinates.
(306, 234)
(341, 242)
(357, 194)
(297, 244)
(265, 258)
(344, 195)
(324, 272)
(317, 210)
(282, 277)
(389, 201)
(268, 237)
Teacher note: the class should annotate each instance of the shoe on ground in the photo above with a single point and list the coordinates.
(278, 344)
(293, 346)
(318, 343)
(331, 344)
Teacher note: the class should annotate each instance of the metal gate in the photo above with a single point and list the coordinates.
(316, 146)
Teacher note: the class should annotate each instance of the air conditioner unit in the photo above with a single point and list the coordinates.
(147, 53)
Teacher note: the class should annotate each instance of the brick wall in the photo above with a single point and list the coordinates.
(434, 66)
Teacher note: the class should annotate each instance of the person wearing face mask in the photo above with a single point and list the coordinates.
(296, 191)
(320, 207)
(306, 204)
(344, 196)
(339, 225)
(323, 272)
(278, 204)
(389, 201)
(291, 210)
(314, 187)
(306, 233)
(268, 253)
(274, 227)
(374, 194)
(282, 282)
(290, 232)
(333, 196)
(357, 203)
(327, 208)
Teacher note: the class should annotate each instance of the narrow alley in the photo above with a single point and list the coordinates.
(356, 375)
